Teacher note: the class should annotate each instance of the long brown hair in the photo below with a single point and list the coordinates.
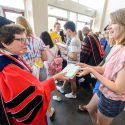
(22, 21)
(80, 35)
(118, 17)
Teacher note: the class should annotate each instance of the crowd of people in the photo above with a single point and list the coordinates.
(30, 69)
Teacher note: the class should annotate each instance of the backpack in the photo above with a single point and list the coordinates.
(56, 64)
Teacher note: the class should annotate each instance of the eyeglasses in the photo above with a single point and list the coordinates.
(21, 39)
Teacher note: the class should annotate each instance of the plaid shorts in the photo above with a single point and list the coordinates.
(108, 107)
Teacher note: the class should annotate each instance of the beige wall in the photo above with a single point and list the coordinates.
(112, 5)
(40, 15)
(29, 12)
(1, 11)
(100, 12)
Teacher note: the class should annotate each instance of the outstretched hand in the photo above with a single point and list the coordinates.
(84, 71)
(60, 76)
(82, 65)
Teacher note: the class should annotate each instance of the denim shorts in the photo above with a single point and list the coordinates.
(108, 107)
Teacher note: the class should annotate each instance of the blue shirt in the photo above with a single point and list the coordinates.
(104, 42)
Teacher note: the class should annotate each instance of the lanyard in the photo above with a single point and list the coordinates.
(20, 61)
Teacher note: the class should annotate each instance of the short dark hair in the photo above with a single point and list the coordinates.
(70, 25)
(4, 21)
(7, 33)
(46, 39)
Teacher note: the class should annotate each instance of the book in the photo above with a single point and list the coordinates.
(71, 70)
(61, 45)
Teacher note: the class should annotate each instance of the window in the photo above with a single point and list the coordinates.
(12, 15)
(84, 18)
(12, 8)
(62, 22)
(57, 12)
(72, 17)
(52, 20)
(80, 25)
(60, 15)
(19, 4)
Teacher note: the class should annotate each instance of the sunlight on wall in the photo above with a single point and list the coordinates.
(89, 3)
(112, 5)
(19, 4)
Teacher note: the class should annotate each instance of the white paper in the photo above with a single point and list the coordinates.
(71, 70)
(61, 45)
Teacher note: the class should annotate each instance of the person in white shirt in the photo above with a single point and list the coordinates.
(73, 56)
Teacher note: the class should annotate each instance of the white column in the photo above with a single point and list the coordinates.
(29, 12)
(40, 15)
(99, 19)
(1, 11)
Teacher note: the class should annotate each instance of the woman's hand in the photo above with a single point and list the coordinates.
(82, 65)
(60, 76)
(84, 71)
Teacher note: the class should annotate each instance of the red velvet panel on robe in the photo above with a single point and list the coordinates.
(26, 99)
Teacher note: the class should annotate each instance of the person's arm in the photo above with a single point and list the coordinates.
(101, 63)
(50, 83)
(60, 39)
(44, 55)
(46, 87)
(99, 69)
(72, 55)
(117, 86)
